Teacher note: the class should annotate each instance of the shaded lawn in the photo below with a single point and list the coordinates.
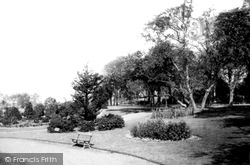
(225, 139)
(236, 146)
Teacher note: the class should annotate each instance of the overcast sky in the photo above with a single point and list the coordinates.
(43, 43)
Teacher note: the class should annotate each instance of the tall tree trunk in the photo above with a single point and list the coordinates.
(110, 101)
(190, 92)
(231, 99)
(193, 103)
(204, 100)
(116, 97)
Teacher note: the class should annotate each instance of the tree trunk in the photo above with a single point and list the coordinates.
(203, 104)
(231, 99)
(190, 92)
(159, 97)
(110, 101)
(116, 97)
(193, 103)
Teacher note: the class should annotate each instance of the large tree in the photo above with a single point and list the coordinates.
(174, 25)
(232, 36)
(91, 93)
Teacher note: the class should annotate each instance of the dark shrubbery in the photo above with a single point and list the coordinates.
(11, 116)
(161, 130)
(45, 119)
(59, 125)
(109, 122)
(64, 119)
(87, 126)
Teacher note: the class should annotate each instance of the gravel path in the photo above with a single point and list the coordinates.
(71, 155)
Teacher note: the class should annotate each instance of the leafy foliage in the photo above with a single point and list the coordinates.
(109, 122)
(232, 36)
(86, 126)
(160, 130)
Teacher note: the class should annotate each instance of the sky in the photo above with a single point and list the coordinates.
(44, 43)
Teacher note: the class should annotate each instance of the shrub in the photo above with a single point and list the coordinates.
(59, 125)
(162, 131)
(45, 119)
(87, 126)
(109, 122)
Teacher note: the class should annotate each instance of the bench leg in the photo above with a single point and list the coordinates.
(86, 145)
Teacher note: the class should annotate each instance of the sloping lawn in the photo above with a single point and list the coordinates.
(224, 134)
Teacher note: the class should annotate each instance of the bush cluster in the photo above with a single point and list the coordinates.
(87, 126)
(162, 131)
(109, 122)
(59, 125)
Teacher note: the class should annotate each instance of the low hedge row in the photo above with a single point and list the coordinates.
(107, 122)
(170, 113)
(162, 131)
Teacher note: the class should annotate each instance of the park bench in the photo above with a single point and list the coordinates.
(83, 139)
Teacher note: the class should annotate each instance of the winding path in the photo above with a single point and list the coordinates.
(71, 155)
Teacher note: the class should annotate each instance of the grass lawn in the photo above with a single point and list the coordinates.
(224, 132)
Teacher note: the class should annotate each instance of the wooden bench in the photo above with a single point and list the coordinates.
(83, 139)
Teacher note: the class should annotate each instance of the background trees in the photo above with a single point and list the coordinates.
(28, 111)
(51, 106)
(11, 116)
(232, 41)
(173, 25)
(39, 110)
